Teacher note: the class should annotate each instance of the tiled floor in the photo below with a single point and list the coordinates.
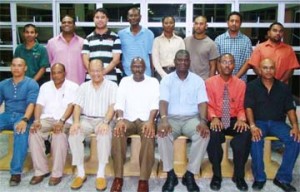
(130, 182)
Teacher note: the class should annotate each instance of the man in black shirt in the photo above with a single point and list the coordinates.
(267, 102)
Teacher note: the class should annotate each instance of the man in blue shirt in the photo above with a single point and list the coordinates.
(19, 94)
(183, 111)
(136, 41)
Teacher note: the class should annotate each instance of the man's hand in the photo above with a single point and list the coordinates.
(164, 128)
(149, 129)
(102, 128)
(296, 134)
(35, 126)
(58, 127)
(74, 129)
(21, 127)
(216, 124)
(256, 133)
(240, 126)
(203, 129)
(120, 129)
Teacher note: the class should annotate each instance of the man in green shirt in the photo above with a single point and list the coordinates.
(33, 53)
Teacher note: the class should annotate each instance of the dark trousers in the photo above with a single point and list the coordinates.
(240, 145)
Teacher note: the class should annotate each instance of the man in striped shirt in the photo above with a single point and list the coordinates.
(102, 44)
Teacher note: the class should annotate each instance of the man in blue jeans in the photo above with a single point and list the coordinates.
(19, 94)
(267, 102)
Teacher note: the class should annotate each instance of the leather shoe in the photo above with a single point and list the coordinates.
(78, 182)
(171, 182)
(284, 186)
(143, 186)
(54, 181)
(215, 183)
(101, 184)
(15, 180)
(37, 179)
(258, 185)
(117, 185)
(240, 184)
(189, 181)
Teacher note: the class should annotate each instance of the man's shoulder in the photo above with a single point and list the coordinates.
(71, 83)
(221, 36)
(5, 82)
(110, 83)
(123, 31)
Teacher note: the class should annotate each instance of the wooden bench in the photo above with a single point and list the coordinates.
(5, 161)
(180, 158)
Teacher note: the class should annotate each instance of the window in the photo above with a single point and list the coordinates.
(80, 12)
(5, 12)
(157, 11)
(34, 12)
(118, 12)
(213, 12)
(260, 13)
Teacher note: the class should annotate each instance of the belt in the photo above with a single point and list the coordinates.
(169, 68)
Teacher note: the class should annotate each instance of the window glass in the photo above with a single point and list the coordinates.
(213, 12)
(180, 31)
(5, 12)
(256, 35)
(34, 12)
(292, 36)
(263, 13)
(213, 32)
(5, 57)
(292, 13)
(157, 11)
(5, 35)
(44, 34)
(81, 12)
(118, 12)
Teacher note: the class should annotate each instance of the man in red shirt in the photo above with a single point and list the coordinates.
(226, 115)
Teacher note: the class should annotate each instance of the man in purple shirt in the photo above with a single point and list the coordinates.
(66, 49)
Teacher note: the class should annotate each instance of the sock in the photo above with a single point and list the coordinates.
(80, 171)
(101, 170)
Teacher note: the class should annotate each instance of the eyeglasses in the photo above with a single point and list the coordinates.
(137, 59)
(227, 62)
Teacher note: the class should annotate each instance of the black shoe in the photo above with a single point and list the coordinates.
(240, 183)
(189, 181)
(258, 185)
(284, 186)
(171, 182)
(215, 183)
(15, 180)
(47, 146)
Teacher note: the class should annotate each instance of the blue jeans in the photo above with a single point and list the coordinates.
(8, 121)
(280, 130)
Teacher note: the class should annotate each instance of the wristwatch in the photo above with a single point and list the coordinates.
(25, 119)
(120, 118)
(63, 120)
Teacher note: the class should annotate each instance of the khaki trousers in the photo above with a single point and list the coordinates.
(119, 146)
(59, 149)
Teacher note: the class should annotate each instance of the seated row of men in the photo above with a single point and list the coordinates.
(203, 111)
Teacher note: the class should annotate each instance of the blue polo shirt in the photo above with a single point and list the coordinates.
(183, 96)
(18, 97)
(139, 45)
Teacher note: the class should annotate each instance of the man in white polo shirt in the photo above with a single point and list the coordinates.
(52, 111)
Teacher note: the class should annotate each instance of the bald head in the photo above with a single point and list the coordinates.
(266, 61)
(267, 69)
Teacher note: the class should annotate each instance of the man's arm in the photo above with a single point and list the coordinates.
(255, 131)
(212, 67)
(295, 132)
(202, 128)
(114, 62)
(37, 116)
(86, 60)
(39, 74)
(243, 70)
(103, 127)
(76, 120)
(287, 75)
(21, 126)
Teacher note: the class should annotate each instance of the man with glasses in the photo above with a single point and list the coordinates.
(226, 116)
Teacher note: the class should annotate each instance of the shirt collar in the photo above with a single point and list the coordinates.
(228, 36)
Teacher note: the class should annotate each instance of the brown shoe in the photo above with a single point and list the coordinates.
(143, 186)
(37, 179)
(15, 180)
(117, 185)
(54, 181)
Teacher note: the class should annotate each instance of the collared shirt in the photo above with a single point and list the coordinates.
(269, 105)
(240, 47)
(36, 58)
(18, 97)
(164, 50)
(55, 101)
(215, 89)
(69, 54)
(139, 45)
(95, 102)
(183, 96)
(201, 52)
(283, 55)
(102, 47)
(137, 99)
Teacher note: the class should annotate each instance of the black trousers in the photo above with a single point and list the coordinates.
(240, 145)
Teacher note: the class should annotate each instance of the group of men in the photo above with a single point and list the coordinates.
(192, 100)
